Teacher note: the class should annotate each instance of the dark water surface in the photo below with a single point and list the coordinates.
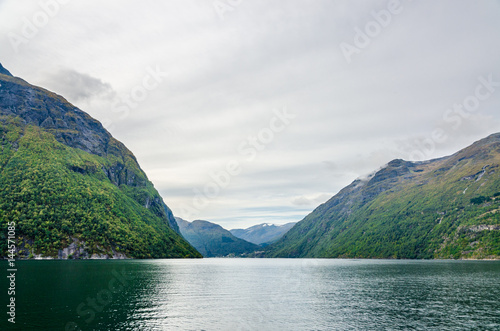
(255, 294)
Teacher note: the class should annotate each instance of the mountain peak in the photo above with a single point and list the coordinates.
(4, 71)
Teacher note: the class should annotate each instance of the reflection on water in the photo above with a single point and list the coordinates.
(257, 294)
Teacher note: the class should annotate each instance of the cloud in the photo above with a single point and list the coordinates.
(77, 86)
(310, 201)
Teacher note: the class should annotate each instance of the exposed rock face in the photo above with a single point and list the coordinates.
(39, 107)
(483, 227)
(118, 174)
(75, 250)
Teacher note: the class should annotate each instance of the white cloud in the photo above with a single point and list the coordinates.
(76, 86)
(311, 201)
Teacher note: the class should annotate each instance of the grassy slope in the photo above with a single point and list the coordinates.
(54, 193)
(422, 213)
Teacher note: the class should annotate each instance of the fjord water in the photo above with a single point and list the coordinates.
(257, 294)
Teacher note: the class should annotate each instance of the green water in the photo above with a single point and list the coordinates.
(255, 294)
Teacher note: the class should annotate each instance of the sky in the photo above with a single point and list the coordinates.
(256, 111)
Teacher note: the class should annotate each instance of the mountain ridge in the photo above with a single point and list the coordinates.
(409, 210)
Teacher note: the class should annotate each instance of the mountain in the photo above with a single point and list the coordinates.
(443, 208)
(211, 240)
(262, 234)
(72, 189)
(4, 71)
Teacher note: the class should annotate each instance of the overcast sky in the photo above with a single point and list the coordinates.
(249, 111)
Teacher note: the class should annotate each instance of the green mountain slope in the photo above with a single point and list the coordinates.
(444, 208)
(212, 240)
(71, 188)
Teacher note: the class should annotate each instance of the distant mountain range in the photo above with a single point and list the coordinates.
(70, 188)
(442, 208)
(211, 240)
(263, 234)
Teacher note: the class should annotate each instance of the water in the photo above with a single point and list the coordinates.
(256, 294)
